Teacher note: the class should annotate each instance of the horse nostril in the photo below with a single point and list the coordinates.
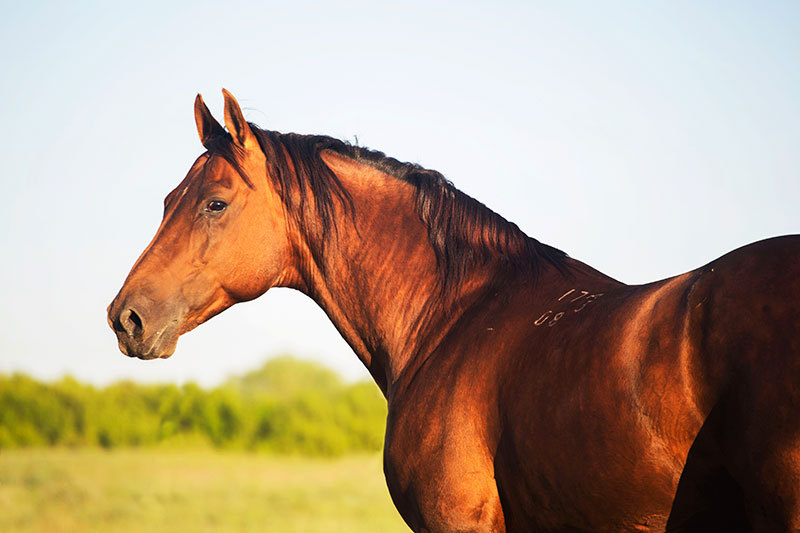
(137, 322)
(129, 322)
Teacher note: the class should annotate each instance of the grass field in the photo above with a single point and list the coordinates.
(51, 490)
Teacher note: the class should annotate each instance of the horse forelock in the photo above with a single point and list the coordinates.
(223, 146)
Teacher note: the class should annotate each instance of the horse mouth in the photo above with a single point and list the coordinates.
(139, 352)
(160, 345)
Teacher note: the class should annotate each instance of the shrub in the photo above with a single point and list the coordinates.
(286, 406)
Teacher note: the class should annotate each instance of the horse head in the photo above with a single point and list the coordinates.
(223, 239)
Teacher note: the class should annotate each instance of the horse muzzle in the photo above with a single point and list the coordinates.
(144, 329)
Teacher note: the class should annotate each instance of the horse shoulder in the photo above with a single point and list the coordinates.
(594, 405)
(438, 457)
(443, 428)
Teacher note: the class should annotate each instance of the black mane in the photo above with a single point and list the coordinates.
(462, 231)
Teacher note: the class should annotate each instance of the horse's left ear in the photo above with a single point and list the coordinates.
(237, 125)
(207, 126)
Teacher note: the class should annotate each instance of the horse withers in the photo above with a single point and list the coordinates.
(526, 390)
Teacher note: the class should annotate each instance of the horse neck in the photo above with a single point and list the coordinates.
(378, 279)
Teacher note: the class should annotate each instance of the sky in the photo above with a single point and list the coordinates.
(643, 138)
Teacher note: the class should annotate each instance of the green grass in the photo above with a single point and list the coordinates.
(52, 490)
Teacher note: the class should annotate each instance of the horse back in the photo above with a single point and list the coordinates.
(603, 405)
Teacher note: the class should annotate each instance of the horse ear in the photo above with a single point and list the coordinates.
(207, 126)
(236, 124)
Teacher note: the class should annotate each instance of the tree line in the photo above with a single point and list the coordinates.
(286, 406)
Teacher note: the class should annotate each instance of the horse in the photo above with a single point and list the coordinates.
(526, 390)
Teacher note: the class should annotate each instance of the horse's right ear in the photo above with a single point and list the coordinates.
(207, 126)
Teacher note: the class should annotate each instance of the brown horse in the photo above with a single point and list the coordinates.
(526, 390)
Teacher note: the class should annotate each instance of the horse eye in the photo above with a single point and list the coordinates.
(216, 206)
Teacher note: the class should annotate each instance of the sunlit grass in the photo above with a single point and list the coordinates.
(51, 490)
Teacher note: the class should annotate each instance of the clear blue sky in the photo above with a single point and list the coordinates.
(644, 138)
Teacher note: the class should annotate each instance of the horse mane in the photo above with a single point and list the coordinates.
(462, 231)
